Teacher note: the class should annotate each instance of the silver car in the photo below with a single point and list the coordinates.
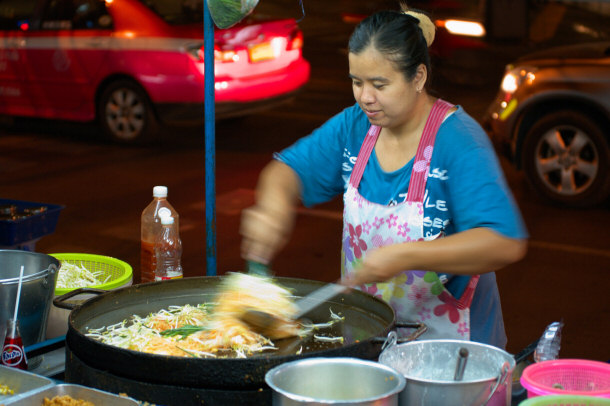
(551, 118)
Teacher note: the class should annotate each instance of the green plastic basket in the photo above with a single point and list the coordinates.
(119, 272)
(565, 400)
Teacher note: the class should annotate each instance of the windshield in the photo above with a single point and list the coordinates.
(177, 12)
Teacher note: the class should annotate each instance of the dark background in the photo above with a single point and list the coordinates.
(105, 187)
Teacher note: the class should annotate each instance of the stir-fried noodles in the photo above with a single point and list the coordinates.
(214, 329)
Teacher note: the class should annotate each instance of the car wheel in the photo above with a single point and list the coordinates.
(126, 113)
(565, 158)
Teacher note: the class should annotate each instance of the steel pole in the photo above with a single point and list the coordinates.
(210, 142)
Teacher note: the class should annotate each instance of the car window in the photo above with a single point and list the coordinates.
(16, 14)
(177, 12)
(75, 14)
(554, 23)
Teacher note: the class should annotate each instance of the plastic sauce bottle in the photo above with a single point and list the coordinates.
(169, 251)
(550, 342)
(150, 228)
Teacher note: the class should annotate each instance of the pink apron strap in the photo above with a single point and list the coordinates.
(421, 164)
(363, 156)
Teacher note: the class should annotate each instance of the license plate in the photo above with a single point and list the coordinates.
(261, 52)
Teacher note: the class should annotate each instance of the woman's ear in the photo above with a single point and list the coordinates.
(421, 75)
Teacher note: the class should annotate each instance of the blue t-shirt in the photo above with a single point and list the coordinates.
(466, 189)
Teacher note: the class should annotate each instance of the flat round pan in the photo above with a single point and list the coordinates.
(367, 322)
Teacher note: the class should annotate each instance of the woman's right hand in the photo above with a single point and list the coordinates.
(266, 226)
(264, 233)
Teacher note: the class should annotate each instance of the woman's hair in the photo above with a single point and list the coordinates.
(402, 36)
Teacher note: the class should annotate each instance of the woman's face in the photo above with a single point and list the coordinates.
(382, 92)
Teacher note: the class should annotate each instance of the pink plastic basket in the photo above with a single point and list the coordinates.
(567, 377)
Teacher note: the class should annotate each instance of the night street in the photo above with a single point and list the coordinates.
(104, 188)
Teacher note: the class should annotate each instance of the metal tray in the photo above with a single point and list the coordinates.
(97, 397)
(21, 382)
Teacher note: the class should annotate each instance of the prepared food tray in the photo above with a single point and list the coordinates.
(76, 392)
(17, 383)
(22, 221)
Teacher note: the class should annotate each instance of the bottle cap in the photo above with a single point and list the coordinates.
(165, 220)
(160, 191)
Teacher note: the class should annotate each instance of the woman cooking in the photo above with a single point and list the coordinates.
(427, 212)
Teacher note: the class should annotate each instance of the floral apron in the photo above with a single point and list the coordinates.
(415, 296)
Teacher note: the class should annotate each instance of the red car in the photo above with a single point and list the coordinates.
(131, 64)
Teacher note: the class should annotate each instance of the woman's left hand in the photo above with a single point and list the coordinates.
(379, 265)
(469, 252)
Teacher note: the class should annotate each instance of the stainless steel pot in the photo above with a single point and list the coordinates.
(334, 381)
(429, 368)
(38, 285)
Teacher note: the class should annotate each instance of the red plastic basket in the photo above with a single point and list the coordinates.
(567, 377)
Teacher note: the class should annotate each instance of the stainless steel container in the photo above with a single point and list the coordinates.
(38, 286)
(429, 368)
(334, 381)
(21, 383)
(95, 396)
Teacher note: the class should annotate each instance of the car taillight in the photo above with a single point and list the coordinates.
(220, 55)
(295, 41)
(225, 55)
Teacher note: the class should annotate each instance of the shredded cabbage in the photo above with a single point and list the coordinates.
(72, 276)
(229, 339)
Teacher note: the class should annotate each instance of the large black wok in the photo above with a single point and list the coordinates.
(367, 322)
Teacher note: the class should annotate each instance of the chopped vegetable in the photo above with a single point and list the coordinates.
(193, 331)
(335, 318)
(328, 339)
(183, 331)
(215, 329)
(73, 276)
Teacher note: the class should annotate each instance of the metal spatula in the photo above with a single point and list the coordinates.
(261, 321)
(317, 298)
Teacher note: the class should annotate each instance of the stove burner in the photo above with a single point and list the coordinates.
(78, 372)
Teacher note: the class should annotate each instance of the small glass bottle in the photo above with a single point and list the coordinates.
(13, 352)
(150, 228)
(168, 249)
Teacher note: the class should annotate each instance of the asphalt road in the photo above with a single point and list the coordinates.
(105, 187)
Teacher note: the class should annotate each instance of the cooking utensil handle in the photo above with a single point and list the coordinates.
(59, 300)
(392, 338)
(526, 352)
(257, 268)
(420, 328)
(389, 341)
(501, 378)
(461, 364)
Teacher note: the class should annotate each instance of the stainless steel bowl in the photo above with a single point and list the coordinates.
(429, 367)
(334, 381)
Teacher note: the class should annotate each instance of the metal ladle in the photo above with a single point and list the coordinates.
(17, 301)
(461, 364)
